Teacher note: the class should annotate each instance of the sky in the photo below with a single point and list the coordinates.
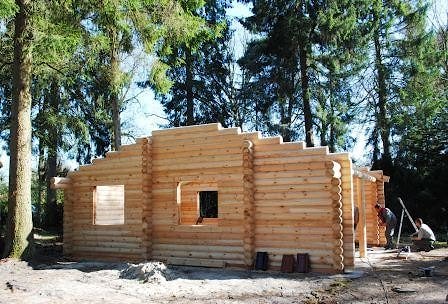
(144, 114)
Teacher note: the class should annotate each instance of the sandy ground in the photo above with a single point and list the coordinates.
(380, 278)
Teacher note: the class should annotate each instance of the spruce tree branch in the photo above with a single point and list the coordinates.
(5, 63)
(52, 67)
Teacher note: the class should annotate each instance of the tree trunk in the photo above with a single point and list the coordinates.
(383, 123)
(51, 219)
(285, 122)
(189, 87)
(19, 234)
(115, 88)
(41, 183)
(332, 119)
(306, 95)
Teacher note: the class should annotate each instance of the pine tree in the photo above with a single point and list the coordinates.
(33, 33)
(203, 90)
(303, 43)
(389, 22)
(19, 236)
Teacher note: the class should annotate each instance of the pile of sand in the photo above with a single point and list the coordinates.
(149, 272)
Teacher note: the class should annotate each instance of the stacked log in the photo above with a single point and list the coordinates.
(294, 203)
(381, 179)
(374, 193)
(185, 162)
(336, 196)
(275, 197)
(249, 208)
(146, 197)
(107, 242)
(344, 160)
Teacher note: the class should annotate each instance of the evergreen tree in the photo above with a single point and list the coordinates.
(419, 124)
(303, 43)
(389, 22)
(340, 54)
(203, 88)
(34, 35)
(155, 25)
(19, 236)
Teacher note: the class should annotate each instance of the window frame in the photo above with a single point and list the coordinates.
(201, 186)
(97, 202)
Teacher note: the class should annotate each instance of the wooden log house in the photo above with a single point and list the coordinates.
(211, 196)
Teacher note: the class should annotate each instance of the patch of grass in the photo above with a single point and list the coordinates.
(440, 244)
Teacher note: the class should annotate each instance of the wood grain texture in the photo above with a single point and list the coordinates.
(283, 198)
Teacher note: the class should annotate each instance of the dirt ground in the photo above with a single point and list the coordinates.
(380, 278)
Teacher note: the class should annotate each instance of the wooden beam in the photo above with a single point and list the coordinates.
(60, 183)
(196, 262)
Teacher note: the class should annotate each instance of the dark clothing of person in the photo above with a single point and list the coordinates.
(422, 245)
(387, 217)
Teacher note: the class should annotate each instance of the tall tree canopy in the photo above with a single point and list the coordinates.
(202, 73)
(302, 45)
(44, 33)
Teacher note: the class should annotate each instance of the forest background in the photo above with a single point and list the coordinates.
(332, 73)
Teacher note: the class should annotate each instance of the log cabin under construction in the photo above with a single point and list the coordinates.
(212, 196)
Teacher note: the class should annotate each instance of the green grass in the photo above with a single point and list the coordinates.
(440, 244)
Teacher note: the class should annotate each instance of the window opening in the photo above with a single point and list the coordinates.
(109, 205)
(208, 204)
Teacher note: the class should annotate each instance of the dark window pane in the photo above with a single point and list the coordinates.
(208, 204)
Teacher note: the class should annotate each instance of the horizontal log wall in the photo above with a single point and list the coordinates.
(277, 197)
(186, 161)
(85, 239)
(298, 203)
(382, 200)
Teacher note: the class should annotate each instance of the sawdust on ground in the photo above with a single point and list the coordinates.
(381, 278)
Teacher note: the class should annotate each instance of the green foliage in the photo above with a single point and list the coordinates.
(7, 8)
(158, 77)
(3, 195)
(307, 54)
(162, 26)
(202, 90)
(420, 127)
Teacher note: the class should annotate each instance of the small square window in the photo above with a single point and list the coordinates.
(197, 202)
(109, 205)
(208, 204)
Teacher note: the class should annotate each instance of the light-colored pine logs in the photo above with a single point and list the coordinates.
(374, 193)
(347, 207)
(248, 201)
(338, 235)
(278, 197)
(196, 262)
(147, 202)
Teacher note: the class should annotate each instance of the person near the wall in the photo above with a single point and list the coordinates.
(424, 238)
(388, 218)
